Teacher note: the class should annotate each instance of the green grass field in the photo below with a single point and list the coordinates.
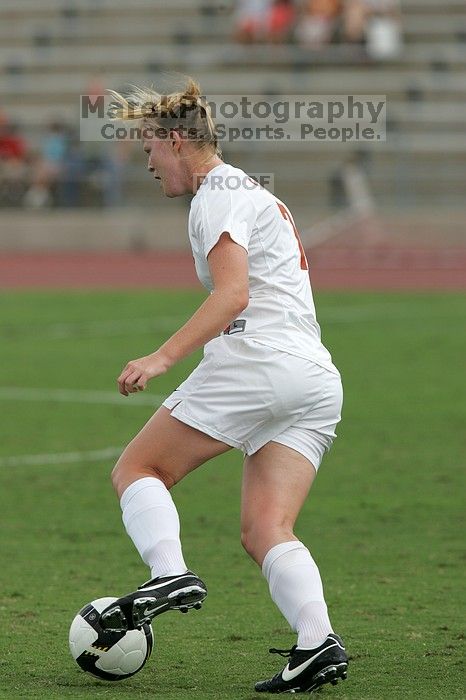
(383, 519)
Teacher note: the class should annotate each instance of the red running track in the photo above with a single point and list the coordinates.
(376, 268)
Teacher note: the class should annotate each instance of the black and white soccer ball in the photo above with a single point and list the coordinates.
(111, 656)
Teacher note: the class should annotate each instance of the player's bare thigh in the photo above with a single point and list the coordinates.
(165, 448)
(276, 482)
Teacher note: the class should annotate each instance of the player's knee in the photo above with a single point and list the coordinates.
(245, 544)
(163, 476)
(259, 538)
(125, 472)
(249, 540)
(117, 476)
(254, 542)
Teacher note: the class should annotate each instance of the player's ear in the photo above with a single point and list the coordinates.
(175, 141)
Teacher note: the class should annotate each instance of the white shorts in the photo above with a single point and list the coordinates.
(247, 394)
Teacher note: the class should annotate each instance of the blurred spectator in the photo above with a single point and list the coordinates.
(70, 24)
(12, 145)
(95, 86)
(106, 163)
(209, 9)
(376, 24)
(114, 164)
(383, 33)
(251, 20)
(281, 21)
(318, 23)
(74, 174)
(355, 16)
(13, 163)
(49, 167)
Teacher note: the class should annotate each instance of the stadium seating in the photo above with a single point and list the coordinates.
(52, 50)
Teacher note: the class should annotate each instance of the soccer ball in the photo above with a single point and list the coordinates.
(108, 655)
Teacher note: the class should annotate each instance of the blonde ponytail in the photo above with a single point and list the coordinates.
(186, 111)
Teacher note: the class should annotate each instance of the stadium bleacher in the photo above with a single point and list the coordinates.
(51, 51)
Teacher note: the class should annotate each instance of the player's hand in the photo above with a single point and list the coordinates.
(137, 373)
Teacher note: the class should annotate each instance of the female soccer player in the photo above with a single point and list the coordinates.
(266, 386)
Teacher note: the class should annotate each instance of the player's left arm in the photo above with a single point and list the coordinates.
(228, 264)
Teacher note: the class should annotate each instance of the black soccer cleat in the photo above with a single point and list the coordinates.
(132, 611)
(308, 669)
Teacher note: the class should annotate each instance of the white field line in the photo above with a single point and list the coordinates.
(109, 327)
(80, 396)
(169, 324)
(61, 457)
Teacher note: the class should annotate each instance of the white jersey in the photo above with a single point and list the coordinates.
(281, 312)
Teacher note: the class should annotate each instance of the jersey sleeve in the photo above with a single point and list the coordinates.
(226, 210)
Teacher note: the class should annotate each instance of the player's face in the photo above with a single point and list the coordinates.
(166, 165)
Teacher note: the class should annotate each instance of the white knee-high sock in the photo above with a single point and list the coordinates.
(152, 522)
(296, 588)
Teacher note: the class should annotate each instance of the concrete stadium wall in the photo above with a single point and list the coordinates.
(93, 230)
(165, 229)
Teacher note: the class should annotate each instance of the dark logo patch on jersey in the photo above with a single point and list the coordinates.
(237, 326)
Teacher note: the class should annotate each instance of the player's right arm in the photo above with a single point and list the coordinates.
(228, 264)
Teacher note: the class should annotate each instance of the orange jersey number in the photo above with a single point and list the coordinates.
(287, 216)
